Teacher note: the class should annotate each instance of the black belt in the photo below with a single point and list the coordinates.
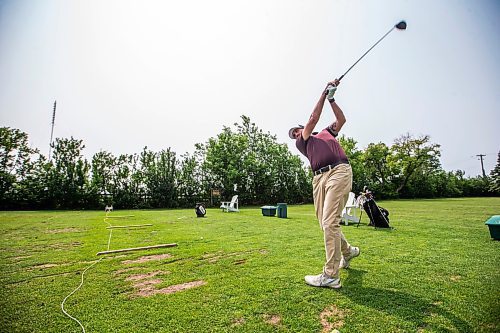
(328, 168)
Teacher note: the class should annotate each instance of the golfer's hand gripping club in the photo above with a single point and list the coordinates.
(331, 88)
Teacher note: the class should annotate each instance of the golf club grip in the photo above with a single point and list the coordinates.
(340, 78)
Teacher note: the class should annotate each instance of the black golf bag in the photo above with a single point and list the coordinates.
(200, 210)
(379, 216)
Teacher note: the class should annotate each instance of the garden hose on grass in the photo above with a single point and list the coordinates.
(83, 273)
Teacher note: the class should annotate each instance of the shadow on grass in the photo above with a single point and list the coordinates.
(397, 303)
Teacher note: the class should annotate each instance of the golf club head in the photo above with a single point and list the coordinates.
(401, 25)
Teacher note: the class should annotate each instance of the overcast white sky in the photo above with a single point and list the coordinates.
(129, 74)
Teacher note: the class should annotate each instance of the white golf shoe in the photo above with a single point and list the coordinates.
(346, 260)
(323, 280)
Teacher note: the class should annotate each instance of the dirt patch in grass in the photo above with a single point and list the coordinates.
(332, 318)
(63, 246)
(147, 284)
(147, 289)
(455, 278)
(60, 231)
(63, 264)
(43, 266)
(148, 258)
(180, 287)
(210, 256)
(238, 322)
(274, 320)
(492, 327)
(21, 257)
(125, 270)
(138, 277)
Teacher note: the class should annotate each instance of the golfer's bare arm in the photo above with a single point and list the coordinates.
(314, 118)
(337, 111)
(339, 116)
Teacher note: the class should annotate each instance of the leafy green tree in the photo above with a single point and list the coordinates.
(412, 155)
(404, 169)
(16, 164)
(355, 156)
(261, 169)
(102, 185)
(470, 187)
(378, 173)
(159, 174)
(223, 161)
(447, 185)
(432, 185)
(272, 172)
(291, 181)
(477, 186)
(68, 174)
(34, 186)
(495, 178)
(127, 187)
(256, 161)
(189, 181)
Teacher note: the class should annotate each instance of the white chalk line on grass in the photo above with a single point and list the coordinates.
(83, 273)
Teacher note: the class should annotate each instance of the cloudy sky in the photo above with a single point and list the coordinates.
(129, 74)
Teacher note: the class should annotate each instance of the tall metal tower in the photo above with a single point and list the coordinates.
(52, 130)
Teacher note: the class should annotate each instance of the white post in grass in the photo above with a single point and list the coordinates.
(138, 248)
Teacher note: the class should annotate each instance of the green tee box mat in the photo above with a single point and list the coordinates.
(493, 224)
(268, 210)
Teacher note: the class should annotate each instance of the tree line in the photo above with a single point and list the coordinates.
(241, 160)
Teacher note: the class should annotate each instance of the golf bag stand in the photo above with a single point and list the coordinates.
(200, 209)
(379, 216)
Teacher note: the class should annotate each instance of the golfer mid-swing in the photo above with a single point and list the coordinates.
(331, 185)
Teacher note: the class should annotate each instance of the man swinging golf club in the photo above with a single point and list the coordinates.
(332, 183)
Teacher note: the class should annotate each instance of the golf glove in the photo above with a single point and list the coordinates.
(330, 91)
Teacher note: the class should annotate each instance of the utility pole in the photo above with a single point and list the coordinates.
(482, 165)
(52, 130)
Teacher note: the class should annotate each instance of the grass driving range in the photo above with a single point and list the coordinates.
(438, 271)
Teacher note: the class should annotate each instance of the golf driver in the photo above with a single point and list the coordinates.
(330, 89)
(400, 26)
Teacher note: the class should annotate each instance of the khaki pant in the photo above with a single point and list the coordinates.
(331, 190)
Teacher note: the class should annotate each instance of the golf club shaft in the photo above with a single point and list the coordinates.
(388, 32)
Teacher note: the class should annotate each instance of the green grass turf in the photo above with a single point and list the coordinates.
(438, 271)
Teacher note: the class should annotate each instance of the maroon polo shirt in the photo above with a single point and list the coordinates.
(321, 149)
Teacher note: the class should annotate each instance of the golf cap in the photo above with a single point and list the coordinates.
(290, 132)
